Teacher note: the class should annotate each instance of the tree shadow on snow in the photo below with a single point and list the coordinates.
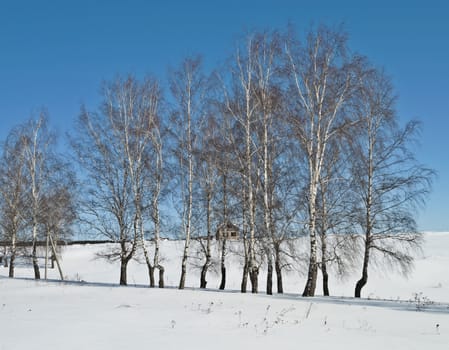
(415, 305)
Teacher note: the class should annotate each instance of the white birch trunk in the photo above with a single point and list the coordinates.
(155, 212)
(189, 203)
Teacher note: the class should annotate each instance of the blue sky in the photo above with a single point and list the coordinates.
(56, 53)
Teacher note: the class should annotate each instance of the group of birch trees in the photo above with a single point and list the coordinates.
(292, 137)
(37, 201)
(120, 150)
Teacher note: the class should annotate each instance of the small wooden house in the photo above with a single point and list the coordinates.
(227, 230)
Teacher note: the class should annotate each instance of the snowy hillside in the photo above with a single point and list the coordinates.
(94, 313)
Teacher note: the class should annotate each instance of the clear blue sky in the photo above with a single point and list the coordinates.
(56, 53)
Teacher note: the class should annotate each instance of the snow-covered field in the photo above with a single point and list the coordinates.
(93, 312)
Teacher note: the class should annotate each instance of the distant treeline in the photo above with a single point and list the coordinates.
(59, 243)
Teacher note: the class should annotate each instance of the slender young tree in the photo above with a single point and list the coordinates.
(223, 245)
(241, 104)
(157, 171)
(224, 151)
(187, 87)
(207, 171)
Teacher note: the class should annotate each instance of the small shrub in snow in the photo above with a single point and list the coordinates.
(421, 301)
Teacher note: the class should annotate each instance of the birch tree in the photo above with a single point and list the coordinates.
(320, 76)
(226, 173)
(107, 201)
(187, 87)
(388, 183)
(120, 147)
(241, 105)
(155, 186)
(207, 171)
(40, 166)
(32, 171)
(13, 190)
(267, 66)
(132, 109)
(334, 225)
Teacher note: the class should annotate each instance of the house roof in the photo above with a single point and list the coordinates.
(228, 226)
